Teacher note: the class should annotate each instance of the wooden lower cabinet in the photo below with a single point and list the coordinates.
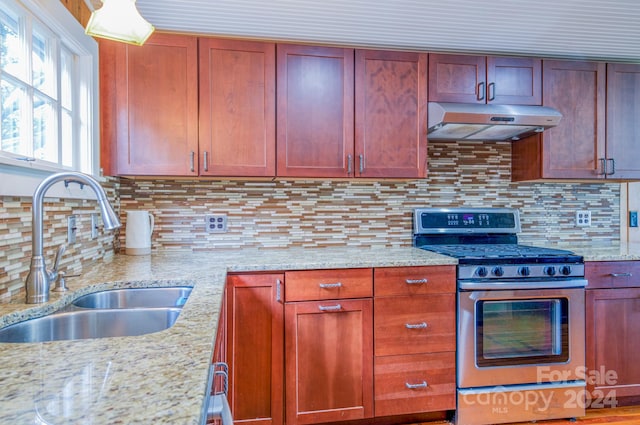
(328, 357)
(415, 383)
(255, 348)
(612, 332)
(415, 340)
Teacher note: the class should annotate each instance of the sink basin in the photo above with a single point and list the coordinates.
(170, 296)
(83, 324)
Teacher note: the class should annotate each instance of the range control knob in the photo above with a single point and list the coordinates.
(481, 271)
(550, 270)
(497, 271)
(565, 270)
(524, 271)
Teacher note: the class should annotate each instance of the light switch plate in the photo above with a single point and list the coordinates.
(71, 229)
(633, 218)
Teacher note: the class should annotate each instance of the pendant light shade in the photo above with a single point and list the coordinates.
(119, 20)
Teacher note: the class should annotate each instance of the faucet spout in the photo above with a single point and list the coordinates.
(39, 279)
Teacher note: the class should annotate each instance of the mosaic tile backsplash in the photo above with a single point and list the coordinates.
(315, 213)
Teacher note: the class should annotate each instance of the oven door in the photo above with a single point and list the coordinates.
(522, 336)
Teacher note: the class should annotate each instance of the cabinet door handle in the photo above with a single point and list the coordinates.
(621, 274)
(192, 161)
(278, 290)
(361, 156)
(349, 164)
(336, 307)
(422, 325)
(423, 384)
(416, 281)
(613, 167)
(480, 91)
(330, 285)
(205, 161)
(492, 91)
(603, 167)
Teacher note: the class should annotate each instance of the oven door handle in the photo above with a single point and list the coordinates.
(481, 285)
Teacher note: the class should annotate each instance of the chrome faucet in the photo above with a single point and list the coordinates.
(39, 279)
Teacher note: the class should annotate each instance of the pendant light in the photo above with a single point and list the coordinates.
(119, 20)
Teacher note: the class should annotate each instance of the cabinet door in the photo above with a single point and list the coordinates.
(314, 111)
(613, 343)
(515, 81)
(150, 106)
(623, 123)
(457, 78)
(391, 97)
(255, 348)
(329, 361)
(575, 148)
(237, 108)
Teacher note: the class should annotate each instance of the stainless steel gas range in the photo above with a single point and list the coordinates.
(520, 319)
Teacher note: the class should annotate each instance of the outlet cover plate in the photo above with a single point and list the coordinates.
(216, 223)
(583, 218)
(71, 229)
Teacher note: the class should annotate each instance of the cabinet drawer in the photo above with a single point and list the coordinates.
(311, 285)
(414, 280)
(431, 376)
(612, 274)
(412, 325)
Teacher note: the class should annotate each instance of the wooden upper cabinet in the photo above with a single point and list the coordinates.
(237, 108)
(623, 121)
(149, 99)
(391, 97)
(480, 79)
(314, 111)
(576, 147)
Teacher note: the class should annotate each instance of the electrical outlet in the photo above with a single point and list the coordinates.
(216, 223)
(94, 226)
(71, 229)
(583, 218)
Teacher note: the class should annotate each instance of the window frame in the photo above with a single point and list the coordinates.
(17, 174)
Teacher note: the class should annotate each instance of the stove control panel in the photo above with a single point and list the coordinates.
(520, 271)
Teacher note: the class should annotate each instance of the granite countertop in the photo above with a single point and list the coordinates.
(622, 252)
(158, 378)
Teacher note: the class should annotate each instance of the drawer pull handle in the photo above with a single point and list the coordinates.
(330, 285)
(422, 325)
(416, 281)
(423, 384)
(621, 274)
(336, 307)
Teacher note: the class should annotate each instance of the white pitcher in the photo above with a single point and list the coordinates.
(138, 232)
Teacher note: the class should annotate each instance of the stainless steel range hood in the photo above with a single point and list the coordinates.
(479, 122)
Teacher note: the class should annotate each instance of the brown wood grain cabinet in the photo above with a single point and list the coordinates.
(328, 353)
(255, 331)
(237, 108)
(346, 113)
(484, 79)
(391, 118)
(149, 101)
(314, 111)
(414, 339)
(575, 149)
(623, 121)
(612, 334)
(188, 106)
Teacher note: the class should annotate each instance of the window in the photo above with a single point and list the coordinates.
(48, 74)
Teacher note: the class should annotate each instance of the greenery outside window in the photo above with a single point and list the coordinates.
(48, 88)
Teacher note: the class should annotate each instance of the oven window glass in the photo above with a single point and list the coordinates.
(513, 332)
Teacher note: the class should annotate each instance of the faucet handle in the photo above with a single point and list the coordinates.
(61, 249)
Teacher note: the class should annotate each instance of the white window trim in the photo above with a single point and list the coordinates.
(19, 177)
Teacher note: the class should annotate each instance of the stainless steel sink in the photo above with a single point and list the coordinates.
(171, 296)
(96, 323)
